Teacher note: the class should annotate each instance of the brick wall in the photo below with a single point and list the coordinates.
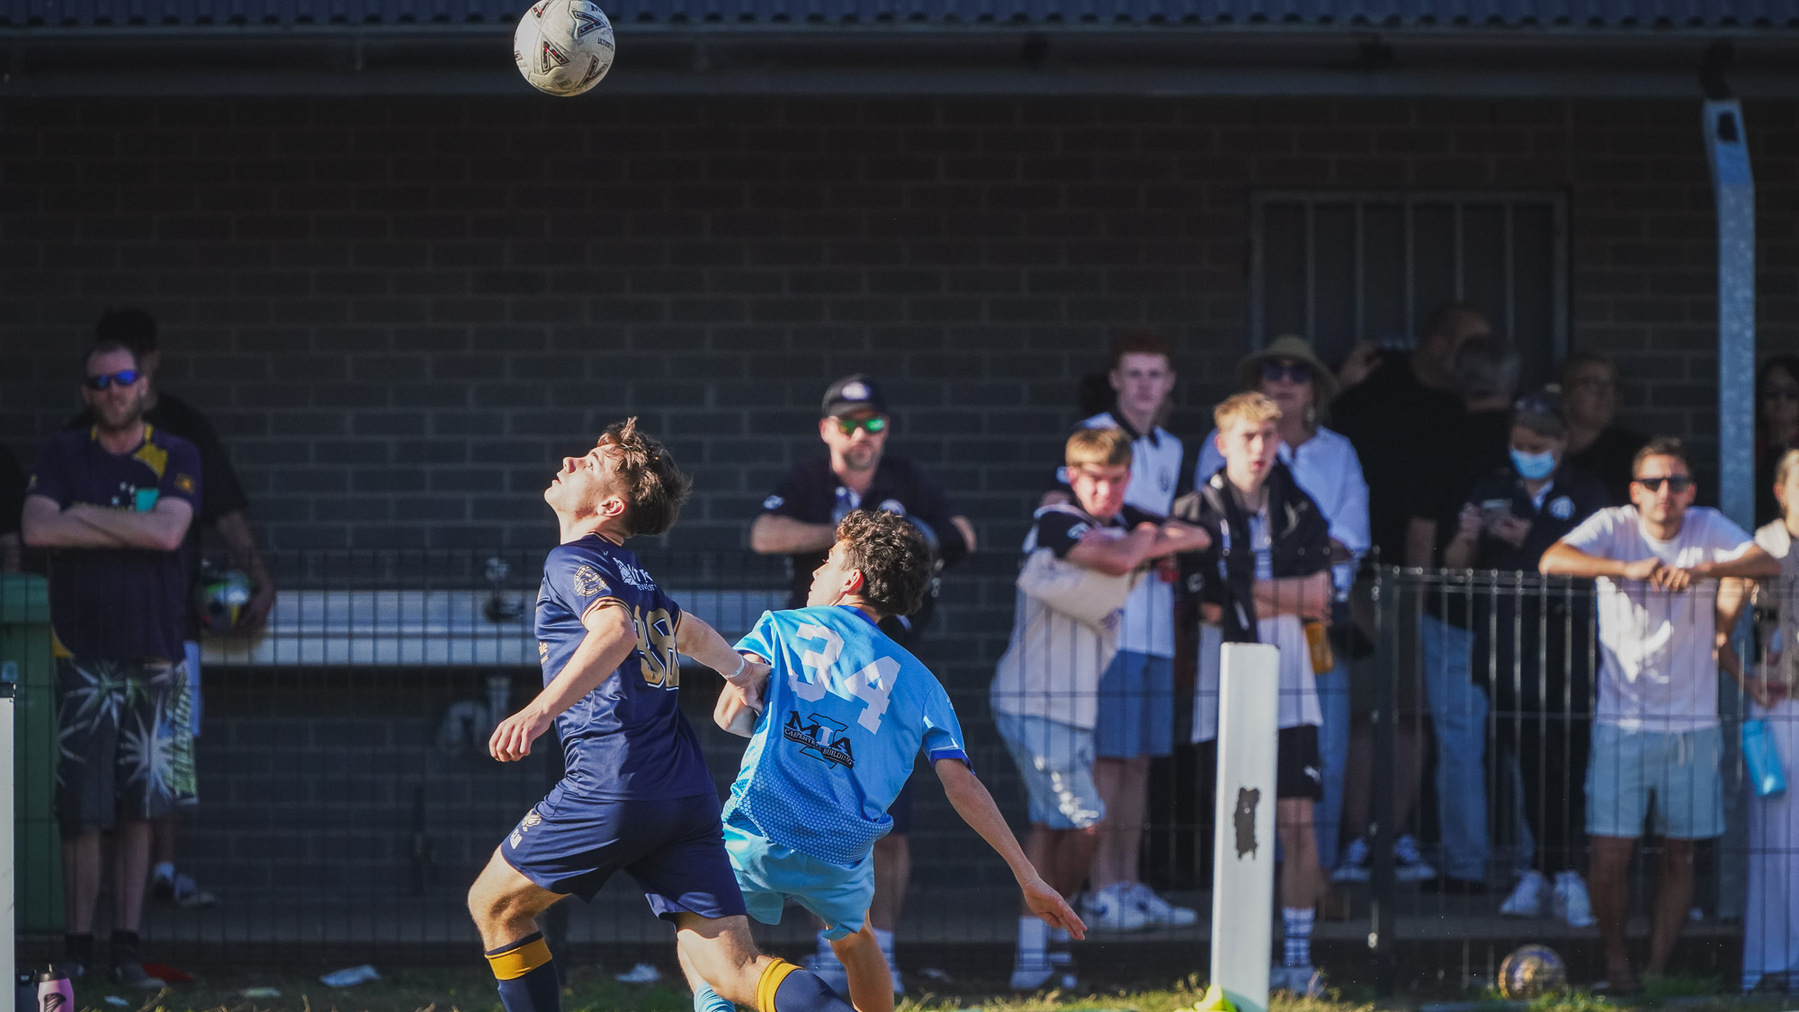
(401, 311)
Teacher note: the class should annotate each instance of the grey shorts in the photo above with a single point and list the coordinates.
(1055, 760)
(1669, 778)
(127, 744)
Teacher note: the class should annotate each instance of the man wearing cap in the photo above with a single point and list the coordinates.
(1136, 692)
(800, 521)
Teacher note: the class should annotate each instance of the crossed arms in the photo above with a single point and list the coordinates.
(44, 523)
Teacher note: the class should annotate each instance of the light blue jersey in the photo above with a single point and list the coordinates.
(846, 711)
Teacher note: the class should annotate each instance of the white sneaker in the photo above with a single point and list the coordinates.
(1528, 896)
(1160, 912)
(1299, 981)
(1036, 978)
(1111, 911)
(1352, 866)
(1572, 905)
(1408, 864)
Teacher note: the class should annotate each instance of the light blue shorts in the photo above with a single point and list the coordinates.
(1678, 771)
(1055, 761)
(770, 874)
(1136, 707)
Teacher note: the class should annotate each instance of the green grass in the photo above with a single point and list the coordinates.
(592, 990)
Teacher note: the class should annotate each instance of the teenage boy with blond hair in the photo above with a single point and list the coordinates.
(1266, 574)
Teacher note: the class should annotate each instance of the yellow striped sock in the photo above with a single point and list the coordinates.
(520, 958)
(772, 977)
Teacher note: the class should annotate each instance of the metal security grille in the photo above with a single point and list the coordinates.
(1344, 266)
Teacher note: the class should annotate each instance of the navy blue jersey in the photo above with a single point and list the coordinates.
(625, 740)
(117, 603)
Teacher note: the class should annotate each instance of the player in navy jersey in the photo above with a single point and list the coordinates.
(834, 730)
(636, 796)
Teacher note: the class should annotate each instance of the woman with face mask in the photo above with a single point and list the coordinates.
(1533, 645)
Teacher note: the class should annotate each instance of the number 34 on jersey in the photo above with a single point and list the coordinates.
(820, 672)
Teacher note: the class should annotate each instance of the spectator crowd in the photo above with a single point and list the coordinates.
(1555, 644)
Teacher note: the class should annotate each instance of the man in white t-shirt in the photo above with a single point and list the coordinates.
(1656, 741)
(1136, 693)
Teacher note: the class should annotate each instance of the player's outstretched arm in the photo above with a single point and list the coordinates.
(610, 639)
(737, 710)
(971, 801)
(698, 640)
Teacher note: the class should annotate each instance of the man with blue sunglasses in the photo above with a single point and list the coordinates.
(115, 501)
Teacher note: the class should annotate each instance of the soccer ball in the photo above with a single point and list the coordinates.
(220, 599)
(563, 47)
(1532, 971)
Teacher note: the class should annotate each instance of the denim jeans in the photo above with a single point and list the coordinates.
(1458, 713)
(1333, 742)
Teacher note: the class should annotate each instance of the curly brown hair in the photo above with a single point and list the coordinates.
(654, 489)
(892, 557)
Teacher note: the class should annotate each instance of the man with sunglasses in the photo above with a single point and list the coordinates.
(115, 502)
(223, 510)
(800, 521)
(1656, 741)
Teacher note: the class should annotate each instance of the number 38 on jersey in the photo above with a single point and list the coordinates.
(656, 647)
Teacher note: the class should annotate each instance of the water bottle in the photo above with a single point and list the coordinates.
(54, 992)
(1762, 758)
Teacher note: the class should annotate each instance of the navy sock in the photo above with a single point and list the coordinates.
(527, 977)
(801, 991)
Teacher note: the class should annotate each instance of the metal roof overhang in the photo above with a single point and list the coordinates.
(1056, 58)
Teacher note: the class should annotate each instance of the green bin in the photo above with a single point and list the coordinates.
(25, 650)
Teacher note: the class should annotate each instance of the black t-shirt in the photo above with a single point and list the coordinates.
(1060, 528)
(220, 494)
(118, 603)
(1396, 424)
(1573, 496)
(1608, 460)
(12, 492)
(1475, 445)
(811, 493)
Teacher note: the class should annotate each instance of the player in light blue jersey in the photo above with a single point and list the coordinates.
(835, 726)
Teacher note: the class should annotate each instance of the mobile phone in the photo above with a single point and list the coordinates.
(1492, 509)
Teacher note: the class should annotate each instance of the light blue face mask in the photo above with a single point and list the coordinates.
(1533, 466)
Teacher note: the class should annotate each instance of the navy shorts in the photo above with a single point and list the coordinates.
(674, 849)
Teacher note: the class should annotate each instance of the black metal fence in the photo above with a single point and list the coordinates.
(346, 794)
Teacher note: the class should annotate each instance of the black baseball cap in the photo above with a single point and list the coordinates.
(855, 392)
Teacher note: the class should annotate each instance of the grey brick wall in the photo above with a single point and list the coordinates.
(401, 311)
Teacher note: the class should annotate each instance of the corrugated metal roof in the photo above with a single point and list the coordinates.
(1472, 14)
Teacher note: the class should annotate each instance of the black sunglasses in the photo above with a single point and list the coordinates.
(873, 426)
(124, 378)
(1677, 483)
(1274, 370)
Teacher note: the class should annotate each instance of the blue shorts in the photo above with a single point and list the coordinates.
(1678, 771)
(770, 874)
(674, 849)
(1055, 761)
(1136, 707)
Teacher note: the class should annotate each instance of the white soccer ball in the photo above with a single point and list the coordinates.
(563, 47)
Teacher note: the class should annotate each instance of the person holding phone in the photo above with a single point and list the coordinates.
(1533, 651)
